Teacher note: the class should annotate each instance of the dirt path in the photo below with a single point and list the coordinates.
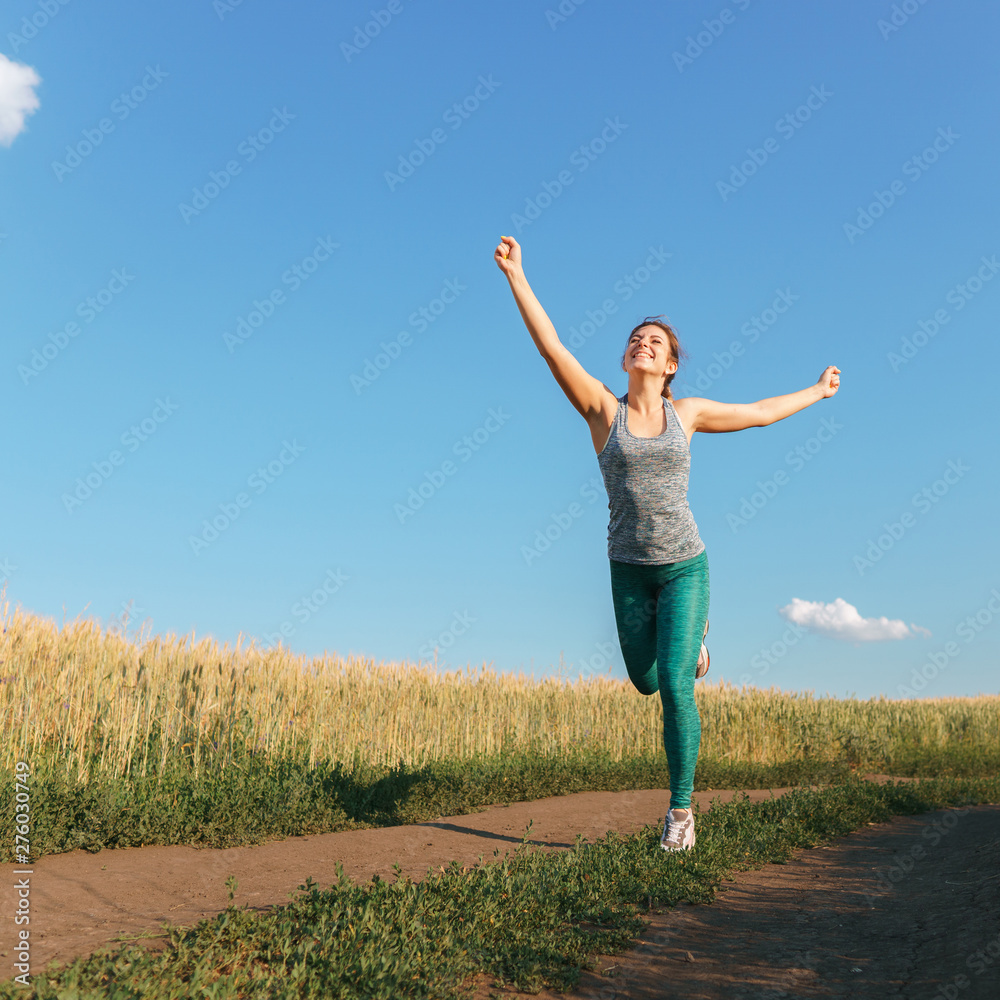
(82, 902)
(907, 909)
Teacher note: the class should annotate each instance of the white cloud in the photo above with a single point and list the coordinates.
(840, 620)
(17, 98)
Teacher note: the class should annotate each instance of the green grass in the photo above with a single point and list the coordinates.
(235, 805)
(530, 920)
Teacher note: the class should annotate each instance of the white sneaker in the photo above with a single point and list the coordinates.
(703, 660)
(678, 833)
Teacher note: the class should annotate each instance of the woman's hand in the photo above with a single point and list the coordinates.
(508, 255)
(829, 381)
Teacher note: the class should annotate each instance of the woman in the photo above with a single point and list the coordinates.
(659, 569)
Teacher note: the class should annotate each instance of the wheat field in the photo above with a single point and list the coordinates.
(102, 704)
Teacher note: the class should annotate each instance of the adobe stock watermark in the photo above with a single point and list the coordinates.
(710, 31)
(293, 279)
(930, 836)
(366, 33)
(249, 149)
(461, 622)
(770, 656)
(751, 329)
(463, 449)
(131, 440)
(562, 521)
(796, 459)
(30, 26)
(581, 158)
(562, 13)
(914, 168)
(624, 289)
(786, 127)
(454, 117)
(121, 107)
(258, 481)
(977, 962)
(927, 329)
(306, 607)
(631, 979)
(88, 310)
(420, 319)
(922, 502)
(224, 7)
(899, 15)
(599, 662)
(129, 614)
(968, 629)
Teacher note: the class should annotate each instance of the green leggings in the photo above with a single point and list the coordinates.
(661, 613)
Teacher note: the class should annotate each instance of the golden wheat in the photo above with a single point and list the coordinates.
(103, 702)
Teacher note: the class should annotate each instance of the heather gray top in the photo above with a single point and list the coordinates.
(647, 480)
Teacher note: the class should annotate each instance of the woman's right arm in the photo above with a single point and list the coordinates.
(591, 397)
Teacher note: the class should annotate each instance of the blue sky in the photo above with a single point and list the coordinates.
(247, 275)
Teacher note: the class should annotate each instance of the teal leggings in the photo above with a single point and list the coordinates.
(661, 613)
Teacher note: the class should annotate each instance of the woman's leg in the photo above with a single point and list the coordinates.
(682, 610)
(633, 590)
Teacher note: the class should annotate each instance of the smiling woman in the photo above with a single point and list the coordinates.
(659, 567)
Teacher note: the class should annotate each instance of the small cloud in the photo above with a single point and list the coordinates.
(17, 98)
(840, 620)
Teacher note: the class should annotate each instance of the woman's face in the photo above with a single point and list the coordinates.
(648, 350)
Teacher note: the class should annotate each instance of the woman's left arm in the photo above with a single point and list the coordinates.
(714, 417)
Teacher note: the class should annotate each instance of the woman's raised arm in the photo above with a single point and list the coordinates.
(713, 417)
(589, 395)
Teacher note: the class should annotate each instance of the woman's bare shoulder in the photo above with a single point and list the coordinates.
(687, 410)
(687, 404)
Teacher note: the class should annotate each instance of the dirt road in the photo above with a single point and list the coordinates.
(798, 929)
(908, 909)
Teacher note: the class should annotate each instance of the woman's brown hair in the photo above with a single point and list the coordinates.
(675, 347)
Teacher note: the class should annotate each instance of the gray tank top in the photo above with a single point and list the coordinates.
(647, 482)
